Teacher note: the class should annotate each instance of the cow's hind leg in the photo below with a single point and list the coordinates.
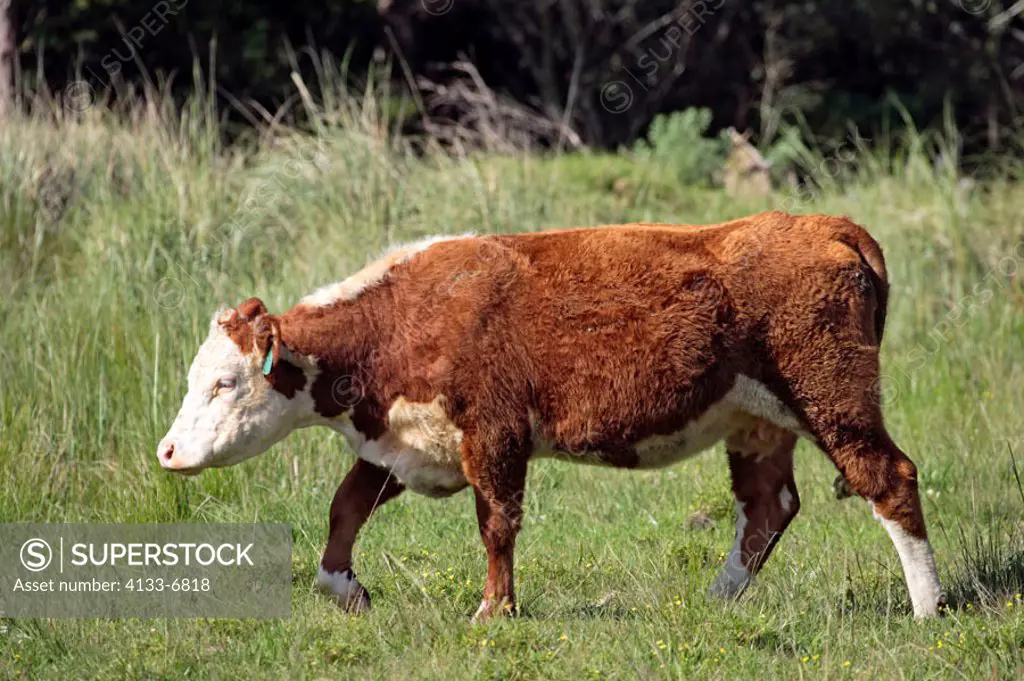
(761, 463)
(496, 468)
(876, 469)
(362, 491)
(836, 385)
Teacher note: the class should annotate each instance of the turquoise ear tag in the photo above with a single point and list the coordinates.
(268, 363)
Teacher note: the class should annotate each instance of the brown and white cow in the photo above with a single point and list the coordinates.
(453, 362)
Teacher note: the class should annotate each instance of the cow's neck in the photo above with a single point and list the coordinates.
(344, 341)
(341, 337)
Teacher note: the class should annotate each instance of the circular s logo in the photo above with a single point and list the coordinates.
(169, 293)
(437, 7)
(975, 7)
(616, 97)
(36, 555)
(78, 96)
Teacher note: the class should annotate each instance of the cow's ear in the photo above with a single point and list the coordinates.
(251, 309)
(267, 341)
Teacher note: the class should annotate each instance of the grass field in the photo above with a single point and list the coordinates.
(113, 255)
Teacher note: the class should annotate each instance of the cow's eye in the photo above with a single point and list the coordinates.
(224, 384)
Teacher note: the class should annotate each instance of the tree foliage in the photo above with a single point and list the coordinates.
(604, 67)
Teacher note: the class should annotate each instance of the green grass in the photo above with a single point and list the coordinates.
(111, 266)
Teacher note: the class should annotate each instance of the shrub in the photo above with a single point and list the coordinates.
(678, 142)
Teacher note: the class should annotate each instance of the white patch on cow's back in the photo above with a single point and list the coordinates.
(374, 273)
(421, 447)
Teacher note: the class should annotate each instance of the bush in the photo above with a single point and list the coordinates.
(677, 141)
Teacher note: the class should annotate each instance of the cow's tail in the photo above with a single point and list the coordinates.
(871, 256)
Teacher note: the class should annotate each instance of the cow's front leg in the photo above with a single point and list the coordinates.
(364, 489)
(498, 475)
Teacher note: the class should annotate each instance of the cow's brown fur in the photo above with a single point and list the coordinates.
(762, 470)
(362, 491)
(595, 339)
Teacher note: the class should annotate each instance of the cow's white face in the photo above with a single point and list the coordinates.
(231, 411)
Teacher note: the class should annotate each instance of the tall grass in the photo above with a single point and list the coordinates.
(122, 228)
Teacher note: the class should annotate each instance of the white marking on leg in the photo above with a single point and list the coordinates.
(501, 607)
(734, 577)
(343, 587)
(785, 499)
(918, 568)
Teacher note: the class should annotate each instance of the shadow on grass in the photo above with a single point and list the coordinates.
(987, 582)
(990, 561)
(981, 580)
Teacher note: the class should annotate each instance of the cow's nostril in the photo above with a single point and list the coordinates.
(167, 453)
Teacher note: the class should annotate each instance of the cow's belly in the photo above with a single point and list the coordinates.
(421, 448)
(748, 404)
(656, 451)
(714, 425)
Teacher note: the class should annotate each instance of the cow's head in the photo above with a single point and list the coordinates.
(243, 396)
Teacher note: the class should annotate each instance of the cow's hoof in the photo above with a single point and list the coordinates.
(344, 589)
(941, 609)
(929, 609)
(491, 608)
(357, 603)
